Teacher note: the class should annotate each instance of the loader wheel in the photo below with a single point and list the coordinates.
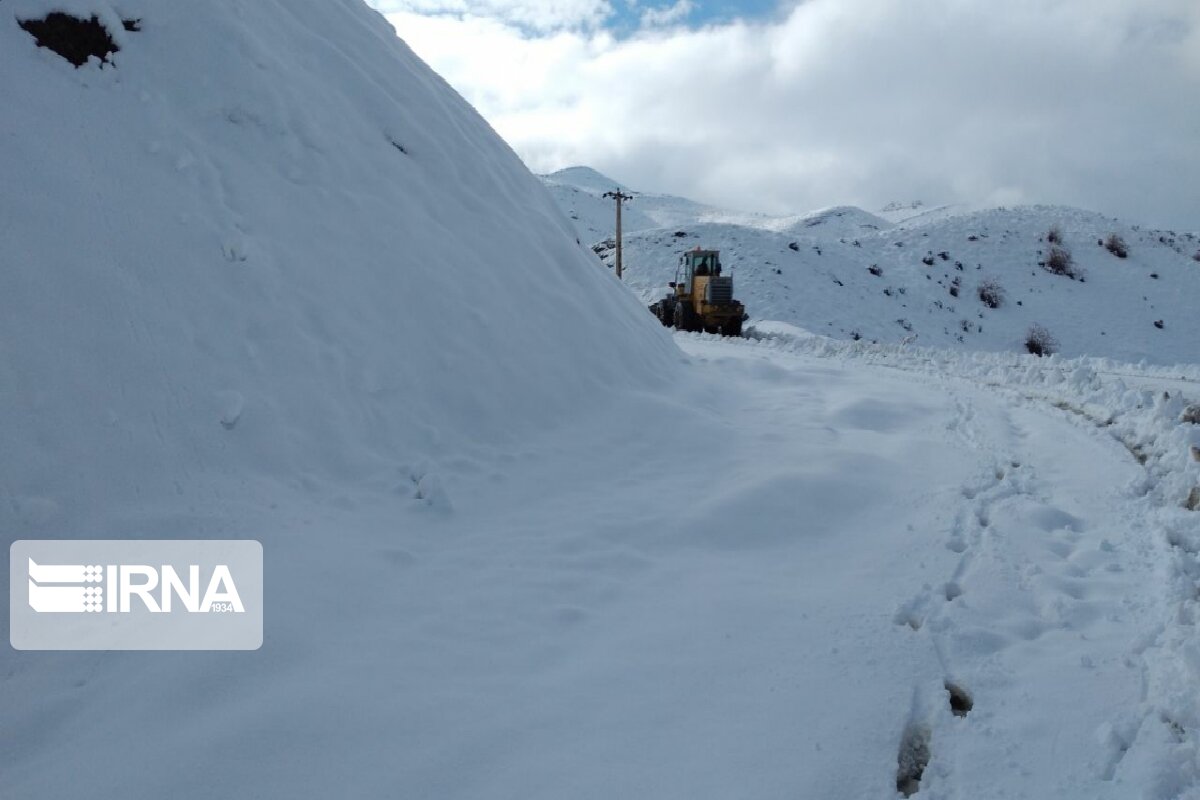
(685, 318)
(732, 328)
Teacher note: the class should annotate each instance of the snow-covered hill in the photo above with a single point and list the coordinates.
(272, 211)
(851, 274)
(579, 192)
(260, 266)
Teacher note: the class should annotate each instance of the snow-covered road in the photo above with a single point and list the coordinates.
(874, 538)
(758, 584)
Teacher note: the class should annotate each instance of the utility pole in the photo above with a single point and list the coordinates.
(620, 197)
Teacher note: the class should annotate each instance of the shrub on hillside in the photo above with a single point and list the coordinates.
(1040, 341)
(991, 293)
(1060, 262)
(1116, 245)
(1054, 235)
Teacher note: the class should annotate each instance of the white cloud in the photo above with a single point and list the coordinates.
(667, 15)
(541, 16)
(1087, 102)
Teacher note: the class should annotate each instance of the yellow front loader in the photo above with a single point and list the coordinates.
(702, 298)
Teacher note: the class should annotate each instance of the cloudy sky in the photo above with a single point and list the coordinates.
(791, 106)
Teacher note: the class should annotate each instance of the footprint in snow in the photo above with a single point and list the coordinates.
(230, 404)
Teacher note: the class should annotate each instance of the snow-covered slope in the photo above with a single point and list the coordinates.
(584, 179)
(915, 210)
(272, 211)
(848, 273)
(260, 270)
(923, 282)
(579, 192)
(829, 223)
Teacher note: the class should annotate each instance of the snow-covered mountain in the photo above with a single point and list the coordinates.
(913, 273)
(579, 192)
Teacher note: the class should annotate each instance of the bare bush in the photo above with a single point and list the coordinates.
(1060, 262)
(1054, 235)
(1040, 341)
(991, 293)
(1116, 245)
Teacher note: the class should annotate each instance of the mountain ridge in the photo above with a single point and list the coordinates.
(903, 276)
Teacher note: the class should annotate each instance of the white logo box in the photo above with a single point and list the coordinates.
(119, 594)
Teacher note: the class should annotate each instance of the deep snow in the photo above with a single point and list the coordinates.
(267, 277)
(224, 219)
(621, 607)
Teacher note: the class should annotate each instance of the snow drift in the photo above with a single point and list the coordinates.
(264, 244)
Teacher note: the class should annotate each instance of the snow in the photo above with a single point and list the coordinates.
(622, 607)
(846, 273)
(838, 221)
(519, 541)
(217, 229)
(583, 178)
(579, 193)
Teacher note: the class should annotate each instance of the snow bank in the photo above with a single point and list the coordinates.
(266, 245)
(1147, 408)
(1154, 414)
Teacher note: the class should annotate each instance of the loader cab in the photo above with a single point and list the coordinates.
(696, 264)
